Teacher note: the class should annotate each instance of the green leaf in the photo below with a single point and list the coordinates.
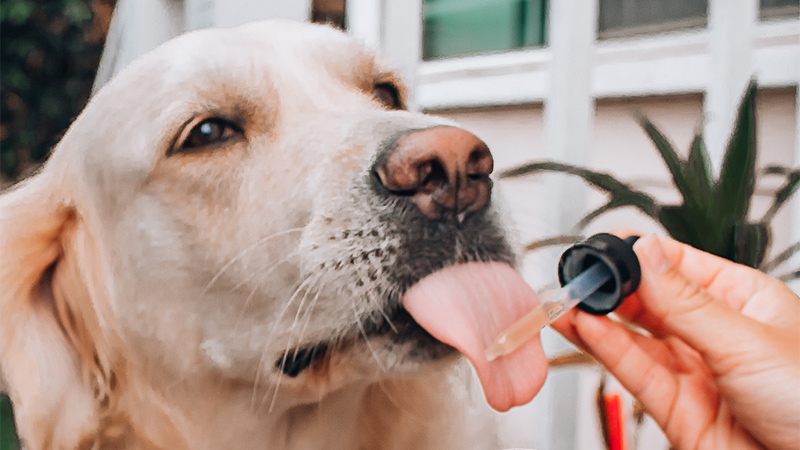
(699, 172)
(782, 195)
(787, 277)
(619, 191)
(18, 12)
(564, 239)
(677, 168)
(751, 241)
(736, 183)
(588, 218)
(77, 12)
(776, 170)
(781, 258)
(682, 227)
(14, 78)
(8, 435)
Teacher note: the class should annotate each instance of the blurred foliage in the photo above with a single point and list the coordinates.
(49, 50)
(8, 438)
(714, 213)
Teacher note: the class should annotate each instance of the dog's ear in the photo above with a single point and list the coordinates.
(51, 343)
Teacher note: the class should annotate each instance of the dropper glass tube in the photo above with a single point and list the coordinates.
(556, 304)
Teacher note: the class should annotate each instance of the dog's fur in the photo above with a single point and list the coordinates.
(239, 295)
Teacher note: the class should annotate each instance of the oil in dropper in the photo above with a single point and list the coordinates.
(596, 275)
(561, 301)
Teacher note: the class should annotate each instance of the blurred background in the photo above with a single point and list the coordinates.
(537, 80)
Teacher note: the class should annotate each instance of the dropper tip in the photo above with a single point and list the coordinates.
(497, 349)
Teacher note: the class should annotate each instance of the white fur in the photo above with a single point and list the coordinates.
(145, 297)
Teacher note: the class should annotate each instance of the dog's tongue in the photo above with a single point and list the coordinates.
(467, 306)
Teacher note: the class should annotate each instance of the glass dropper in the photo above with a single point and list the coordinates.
(558, 302)
(602, 261)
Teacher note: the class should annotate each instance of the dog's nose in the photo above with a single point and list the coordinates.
(444, 170)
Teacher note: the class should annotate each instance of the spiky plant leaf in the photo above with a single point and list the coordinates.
(783, 194)
(737, 177)
(787, 277)
(589, 218)
(776, 170)
(750, 243)
(699, 171)
(564, 239)
(623, 194)
(677, 168)
(698, 230)
(781, 258)
(681, 226)
(8, 435)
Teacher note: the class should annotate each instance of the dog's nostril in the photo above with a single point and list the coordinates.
(480, 162)
(445, 171)
(432, 175)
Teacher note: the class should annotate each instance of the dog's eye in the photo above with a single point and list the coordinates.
(387, 94)
(208, 132)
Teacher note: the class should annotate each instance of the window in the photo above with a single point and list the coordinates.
(779, 8)
(460, 27)
(619, 18)
(328, 11)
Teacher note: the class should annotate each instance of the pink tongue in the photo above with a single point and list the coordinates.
(467, 306)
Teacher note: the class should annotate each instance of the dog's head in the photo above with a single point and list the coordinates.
(244, 205)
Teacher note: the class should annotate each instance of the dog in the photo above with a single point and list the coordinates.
(215, 253)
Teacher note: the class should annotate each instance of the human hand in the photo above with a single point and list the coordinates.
(720, 367)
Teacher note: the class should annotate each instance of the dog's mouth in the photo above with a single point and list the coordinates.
(296, 361)
(398, 325)
(378, 264)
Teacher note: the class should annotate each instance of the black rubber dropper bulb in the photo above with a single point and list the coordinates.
(619, 259)
(596, 275)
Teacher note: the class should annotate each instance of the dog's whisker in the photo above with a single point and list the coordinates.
(277, 385)
(307, 320)
(247, 249)
(363, 332)
(271, 334)
(243, 308)
(266, 271)
(250, 296)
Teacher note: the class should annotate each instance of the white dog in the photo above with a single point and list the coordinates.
(214, 255)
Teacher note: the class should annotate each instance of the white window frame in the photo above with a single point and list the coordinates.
(672, 63)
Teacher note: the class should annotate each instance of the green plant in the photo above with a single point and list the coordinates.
(713, 213)
(8, 436)
(50, 52)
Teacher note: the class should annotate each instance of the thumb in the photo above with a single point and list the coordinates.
(688, 311)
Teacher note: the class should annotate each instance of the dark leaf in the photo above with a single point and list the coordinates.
(77, 12)
(605, 182)
(621, 200)
(564, 239)
(737, 176)
(8, 435)
(677, 168)
(751, 241)
(781, 258)
(782, 195)
(699, 173)
(17, 12)
(681, 227)
(787, 277)
(776, 170)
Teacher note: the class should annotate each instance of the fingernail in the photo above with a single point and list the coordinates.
(651, 254)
